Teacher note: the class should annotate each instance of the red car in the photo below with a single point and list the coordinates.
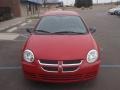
(61, 49)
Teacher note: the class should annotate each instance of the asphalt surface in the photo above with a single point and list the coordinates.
(107, 35)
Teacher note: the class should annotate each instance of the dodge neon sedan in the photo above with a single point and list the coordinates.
(61, 49)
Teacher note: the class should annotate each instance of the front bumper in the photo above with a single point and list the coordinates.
(86, 72)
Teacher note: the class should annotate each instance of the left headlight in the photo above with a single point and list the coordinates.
(92, 56)
(28, 56)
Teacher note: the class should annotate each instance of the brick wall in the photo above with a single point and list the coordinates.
(14, 5)
(18, 9)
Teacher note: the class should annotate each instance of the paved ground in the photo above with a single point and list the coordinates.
(108, 35)
(11, 23)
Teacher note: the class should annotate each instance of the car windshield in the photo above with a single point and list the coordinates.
(61, 24)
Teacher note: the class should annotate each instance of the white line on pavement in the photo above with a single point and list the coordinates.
(12, 29)
(110, 66)
(8, 36)
(29, 21)
(24, 35)
(2, 68)
(19, 67)
(18, 40)
(23, 24)
(15, 40)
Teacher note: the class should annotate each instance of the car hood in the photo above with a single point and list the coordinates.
(61, 47)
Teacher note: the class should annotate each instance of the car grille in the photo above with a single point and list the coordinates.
(60, 66)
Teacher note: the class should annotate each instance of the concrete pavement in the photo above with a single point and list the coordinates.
(11, 23)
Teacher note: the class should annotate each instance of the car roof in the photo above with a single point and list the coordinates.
(61, 12)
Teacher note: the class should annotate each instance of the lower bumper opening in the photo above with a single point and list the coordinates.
(61, 78)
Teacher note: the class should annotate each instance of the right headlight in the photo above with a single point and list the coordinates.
(92, 56)
(28, 56)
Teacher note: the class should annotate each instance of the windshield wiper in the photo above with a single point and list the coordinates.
(68, 32)
(42, 31)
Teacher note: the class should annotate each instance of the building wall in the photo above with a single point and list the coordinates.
(5, 3)
(23, 9)
(14, 6)
(28, 9)
(18, 8)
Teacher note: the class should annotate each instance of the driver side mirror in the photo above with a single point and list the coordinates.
(93, 30)
(29, 30)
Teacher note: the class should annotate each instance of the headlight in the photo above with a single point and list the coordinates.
(92, 56)
(28, 56)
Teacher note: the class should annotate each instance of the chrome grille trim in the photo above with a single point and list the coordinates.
(51, 65)
(60, 66)
(49, 71)
(69, 65)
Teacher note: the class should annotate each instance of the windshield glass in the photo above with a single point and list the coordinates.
(54, 24)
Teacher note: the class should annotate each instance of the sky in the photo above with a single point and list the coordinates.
(71, 2)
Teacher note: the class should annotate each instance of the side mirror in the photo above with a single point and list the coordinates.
(29, 30)
(93, 30)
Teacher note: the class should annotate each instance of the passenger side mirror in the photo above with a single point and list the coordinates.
(93, 30)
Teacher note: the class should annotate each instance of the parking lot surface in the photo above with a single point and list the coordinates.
(107, 35)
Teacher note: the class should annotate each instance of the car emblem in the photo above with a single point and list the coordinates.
(60, 68)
